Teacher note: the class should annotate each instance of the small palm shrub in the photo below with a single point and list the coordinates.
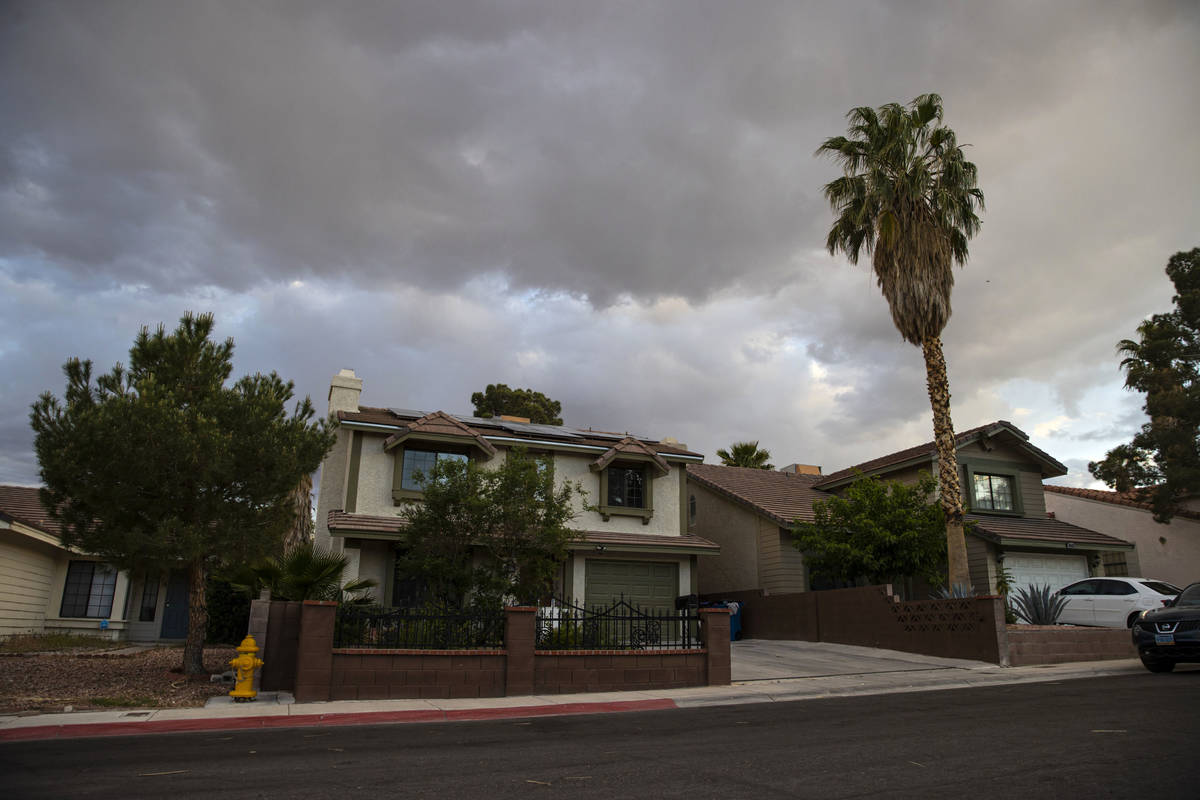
(1037, 605)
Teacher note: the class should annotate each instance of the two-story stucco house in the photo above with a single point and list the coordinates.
(749, 515)
(632, 538)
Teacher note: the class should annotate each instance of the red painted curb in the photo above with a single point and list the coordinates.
(94, 729)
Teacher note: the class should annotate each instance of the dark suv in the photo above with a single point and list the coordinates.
(1167, 636)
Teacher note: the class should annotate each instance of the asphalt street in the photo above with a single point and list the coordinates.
(1121, 736)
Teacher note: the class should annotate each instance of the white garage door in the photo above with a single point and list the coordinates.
(1057, 571)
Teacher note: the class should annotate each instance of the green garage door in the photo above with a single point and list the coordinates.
(649, 584)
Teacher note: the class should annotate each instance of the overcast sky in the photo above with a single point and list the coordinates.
(614, 203)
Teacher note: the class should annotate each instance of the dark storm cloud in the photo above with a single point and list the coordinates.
(665, 150)
(430, 169)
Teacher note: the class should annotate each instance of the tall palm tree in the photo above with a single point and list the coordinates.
(908, 198)
(745, 454)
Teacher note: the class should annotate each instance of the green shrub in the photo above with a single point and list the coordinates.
(228, 613)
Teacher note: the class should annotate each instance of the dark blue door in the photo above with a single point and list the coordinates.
(175, 612)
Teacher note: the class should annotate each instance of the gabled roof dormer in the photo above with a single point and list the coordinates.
(440, 427)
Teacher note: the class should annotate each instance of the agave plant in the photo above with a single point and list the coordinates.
(1037, 605)
(958, 591)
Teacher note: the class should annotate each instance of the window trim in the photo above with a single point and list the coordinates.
(997, 469)
(446, 445)
(149, 583)
(103, 612)
(647, 510)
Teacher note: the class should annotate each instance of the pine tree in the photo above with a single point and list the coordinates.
(162, 464)
(1162, 461)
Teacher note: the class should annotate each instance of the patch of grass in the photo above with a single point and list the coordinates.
(47, 642)
(123, 702)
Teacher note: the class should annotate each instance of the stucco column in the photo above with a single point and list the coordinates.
(258, 627)
(519, 641)
(314, 657)
(715, 632)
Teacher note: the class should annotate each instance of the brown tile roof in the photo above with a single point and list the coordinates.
(488, 427)
(1038, 530)
(340, 520)
(930, 449)
(782, 496)
(689, 541)
(439, 423)
(22, 504)
(1130, 499)
(631, 446)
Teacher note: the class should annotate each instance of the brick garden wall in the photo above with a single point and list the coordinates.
(325, 673)
(395, 674)
(566, 671)
(1061, 644)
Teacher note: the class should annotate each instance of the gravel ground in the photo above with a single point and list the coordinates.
(50, 682)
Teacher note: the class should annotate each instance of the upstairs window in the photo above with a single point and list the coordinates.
(419, 464)
(626, 487)
(89, 590)
(993, 492)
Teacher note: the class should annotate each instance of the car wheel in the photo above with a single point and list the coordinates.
(1132, 619)
(1158, 665)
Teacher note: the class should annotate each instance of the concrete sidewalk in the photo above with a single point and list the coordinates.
(278, 712)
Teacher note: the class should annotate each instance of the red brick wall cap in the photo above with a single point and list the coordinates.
(320, 602)
(714, 611)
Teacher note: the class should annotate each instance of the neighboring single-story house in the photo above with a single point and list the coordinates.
(631, 530)
(1167, 551)
(749, 515)
(44, 587)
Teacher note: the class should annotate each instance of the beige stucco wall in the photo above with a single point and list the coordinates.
(665, 499)
(1168, 552)
(735, 528)
(333, 489)
(375, 471)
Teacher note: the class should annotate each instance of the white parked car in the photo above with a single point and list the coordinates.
(1112, 602)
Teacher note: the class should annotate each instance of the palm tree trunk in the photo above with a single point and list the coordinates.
(950, 491)
(193, 646)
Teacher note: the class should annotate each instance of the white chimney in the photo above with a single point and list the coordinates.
(344, 390)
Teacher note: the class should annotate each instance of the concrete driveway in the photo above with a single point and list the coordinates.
(765, 660)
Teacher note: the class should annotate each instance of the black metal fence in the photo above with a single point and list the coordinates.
(620, 626)
(373, 627)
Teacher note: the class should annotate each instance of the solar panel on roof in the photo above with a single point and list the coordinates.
(534, 429)
(407, 412)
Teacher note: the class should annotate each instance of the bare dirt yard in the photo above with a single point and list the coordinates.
(106, 677)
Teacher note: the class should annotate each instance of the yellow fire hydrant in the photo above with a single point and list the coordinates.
(245, 664)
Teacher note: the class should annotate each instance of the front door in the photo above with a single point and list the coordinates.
(175, 610)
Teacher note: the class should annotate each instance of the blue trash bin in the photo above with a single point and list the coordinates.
(735, 616)
(735, 620)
